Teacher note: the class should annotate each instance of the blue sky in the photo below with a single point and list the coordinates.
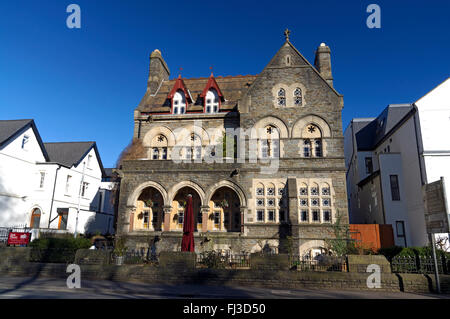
(83, 84)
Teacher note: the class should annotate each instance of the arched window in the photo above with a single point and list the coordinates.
(194, 148)
(155, 155)
(307, 148)
(179, 102)
(281, 97)
(159, 147)
(212, 101)
(270, 143)
(312, 143)
(298, 97)
(318, 148)
(35, 218)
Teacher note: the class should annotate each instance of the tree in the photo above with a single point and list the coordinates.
(341, 244)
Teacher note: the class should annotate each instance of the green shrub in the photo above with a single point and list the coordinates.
(390, 252)
(213, 259)
(61, 243)
(57, 250)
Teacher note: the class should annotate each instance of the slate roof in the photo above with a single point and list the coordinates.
(372, 133)
(68, 153)
(10, 127)
(232, 88)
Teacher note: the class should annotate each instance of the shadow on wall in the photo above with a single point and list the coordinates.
(100, 222)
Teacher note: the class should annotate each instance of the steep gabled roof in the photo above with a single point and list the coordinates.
(373, 133)
(232, 88)
(71, 153)
(179, 85)
(212, 84)
(9, 129)
(300, 58)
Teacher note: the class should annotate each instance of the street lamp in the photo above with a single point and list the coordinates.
(79, 199)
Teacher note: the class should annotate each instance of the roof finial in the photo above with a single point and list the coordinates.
(286, 34)
(211, 68)
(179, 74)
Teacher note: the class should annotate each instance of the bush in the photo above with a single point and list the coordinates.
(213, 259)
(390, 252)
(57, 250)
(61, 243)
(393, 251)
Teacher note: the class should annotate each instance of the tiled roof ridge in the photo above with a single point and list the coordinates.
(218, 77)
(69, 142)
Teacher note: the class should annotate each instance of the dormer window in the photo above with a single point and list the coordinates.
(212, 101)
(179, 102)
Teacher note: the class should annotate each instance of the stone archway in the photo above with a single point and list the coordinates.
(225, 210)
(176, 218)
(149, 214)
(131, 202)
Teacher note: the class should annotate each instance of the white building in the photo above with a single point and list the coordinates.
(390, 158)
(40, 183)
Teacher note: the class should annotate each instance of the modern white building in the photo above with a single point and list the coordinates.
(391, 157)
(51, 186)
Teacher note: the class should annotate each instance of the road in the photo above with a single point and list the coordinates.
(48, 288)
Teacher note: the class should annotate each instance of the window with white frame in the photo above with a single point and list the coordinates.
(84, 188)
(212, 101)
(68, 179)
(89, 161)
(271, 203)
(315, 204)
(41, 180)
(179, 102)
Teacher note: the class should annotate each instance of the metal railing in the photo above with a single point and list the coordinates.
(419, 264)
(4, 231)
(213, 259)
(318, 263)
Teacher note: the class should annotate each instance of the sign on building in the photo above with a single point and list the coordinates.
(16, 238)
(436, 210)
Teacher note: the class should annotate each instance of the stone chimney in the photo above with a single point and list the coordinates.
(158, 71)
(323, 62)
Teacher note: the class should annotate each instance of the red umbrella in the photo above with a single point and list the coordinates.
(187, 244)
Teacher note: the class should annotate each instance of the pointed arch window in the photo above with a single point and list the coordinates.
(281, 97)
(318, 147)
(298, 97)
(307, 148)
(159, 146)
(312, 142)
(270, 143)
(212, 101)
(179, 102)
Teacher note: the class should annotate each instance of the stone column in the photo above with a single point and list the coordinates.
(292, 228)
(127, 220)
(293, 201)
(243, 210)
(205, 217)
(167, 210)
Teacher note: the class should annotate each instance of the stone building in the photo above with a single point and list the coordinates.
(279, 181)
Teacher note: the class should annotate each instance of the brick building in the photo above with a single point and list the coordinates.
(279, 183)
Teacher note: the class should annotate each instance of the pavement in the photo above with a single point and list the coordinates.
(53, 288)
